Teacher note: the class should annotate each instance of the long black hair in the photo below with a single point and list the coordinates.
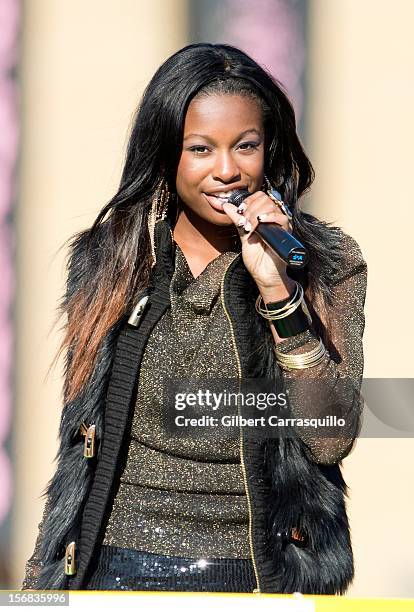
(118, 254)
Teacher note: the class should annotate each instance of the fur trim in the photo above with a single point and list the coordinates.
(68, 489)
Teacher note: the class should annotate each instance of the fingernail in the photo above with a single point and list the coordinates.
(241, 222)
(247, 226)
(261, 217)
(241, 207)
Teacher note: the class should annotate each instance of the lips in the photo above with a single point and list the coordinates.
(215, 202)
(221, 195)
(217, 198)
(224, 193)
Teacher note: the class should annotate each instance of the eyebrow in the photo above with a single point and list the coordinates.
(252, 130)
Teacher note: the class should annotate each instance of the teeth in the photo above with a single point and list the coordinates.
(222, 195)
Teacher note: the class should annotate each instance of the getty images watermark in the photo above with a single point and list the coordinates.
(263, 407)
(260, 401)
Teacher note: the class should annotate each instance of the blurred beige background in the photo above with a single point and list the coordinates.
(76, 110)
(361, 139)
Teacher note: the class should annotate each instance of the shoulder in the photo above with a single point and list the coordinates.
(334, 254)
(352, 259)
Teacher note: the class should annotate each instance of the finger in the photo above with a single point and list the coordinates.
(238, 220)
(255, 196)
(247, 202)
(256, 203)
(252, 200)
(271, 217)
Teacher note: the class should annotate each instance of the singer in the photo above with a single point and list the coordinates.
(173, 281)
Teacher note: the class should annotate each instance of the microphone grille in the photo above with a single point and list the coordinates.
(238, 196)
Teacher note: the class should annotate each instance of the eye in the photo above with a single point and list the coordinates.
(196, 148)
(245, 146)
(252, 145)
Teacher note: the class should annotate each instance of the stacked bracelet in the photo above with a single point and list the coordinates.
(299, 362)
(289, 317)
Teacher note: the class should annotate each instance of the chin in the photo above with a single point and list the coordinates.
(217, 218)
(209, 214)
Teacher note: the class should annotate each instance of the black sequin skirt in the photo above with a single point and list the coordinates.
(125, 569)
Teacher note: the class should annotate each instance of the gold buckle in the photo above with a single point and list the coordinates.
(70, 559)
(138, 311)
(89, 445)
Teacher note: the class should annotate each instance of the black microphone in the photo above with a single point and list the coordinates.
(279, 240)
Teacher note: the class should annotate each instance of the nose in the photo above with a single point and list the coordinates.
(225, 168)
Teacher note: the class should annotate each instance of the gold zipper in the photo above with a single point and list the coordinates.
(246, 486)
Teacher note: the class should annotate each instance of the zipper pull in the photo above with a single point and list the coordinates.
(256, 590)
(89, 446)
(70, 559)
(138, 311)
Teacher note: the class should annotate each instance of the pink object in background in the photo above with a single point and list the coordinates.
(9, 130)
(271, 32)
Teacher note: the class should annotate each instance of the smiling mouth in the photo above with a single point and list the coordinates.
(220, 197)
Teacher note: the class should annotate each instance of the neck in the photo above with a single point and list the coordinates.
(192, 231)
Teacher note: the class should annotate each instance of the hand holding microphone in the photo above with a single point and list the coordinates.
(279, 240)
(268, 247)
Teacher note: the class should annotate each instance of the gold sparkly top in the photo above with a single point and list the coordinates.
(178, 495)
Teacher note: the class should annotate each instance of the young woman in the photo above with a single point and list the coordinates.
(172, 281)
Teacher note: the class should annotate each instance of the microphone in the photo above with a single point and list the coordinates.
(279, 240)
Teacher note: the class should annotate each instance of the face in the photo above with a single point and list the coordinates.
(223, 149)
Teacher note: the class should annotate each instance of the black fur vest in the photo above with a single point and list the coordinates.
(289, 491)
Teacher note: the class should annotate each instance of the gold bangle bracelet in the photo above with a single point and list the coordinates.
(305, 360)
(283, 312)
(265, 311)
(295, 306)
(301, 366)
(304, 357)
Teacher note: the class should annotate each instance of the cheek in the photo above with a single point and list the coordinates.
(255, 162)
(256, 170)
(189, 172)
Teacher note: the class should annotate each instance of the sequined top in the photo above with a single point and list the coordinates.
(179, 495)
